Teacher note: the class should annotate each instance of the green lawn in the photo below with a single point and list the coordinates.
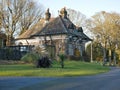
(72, 68)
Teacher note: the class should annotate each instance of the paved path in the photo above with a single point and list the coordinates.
(107, 81)
(15, 83)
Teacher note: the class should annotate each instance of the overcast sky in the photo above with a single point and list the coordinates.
(87, 7)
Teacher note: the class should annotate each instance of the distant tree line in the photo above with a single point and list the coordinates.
(104, 28)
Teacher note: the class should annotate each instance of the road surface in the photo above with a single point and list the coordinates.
(106, 81)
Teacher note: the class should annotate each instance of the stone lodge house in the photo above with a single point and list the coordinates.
(59, 34)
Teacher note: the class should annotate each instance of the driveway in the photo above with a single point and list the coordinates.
(15, 83)
(106, 81)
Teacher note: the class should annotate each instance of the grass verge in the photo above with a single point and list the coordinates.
(72, 68)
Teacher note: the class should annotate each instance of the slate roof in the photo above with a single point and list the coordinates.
(58, 25)
(33, 30)
(52, 28)
(62, 26)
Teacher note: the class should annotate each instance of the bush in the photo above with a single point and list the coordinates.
(44, 62)
(30, 57)
(62, 58)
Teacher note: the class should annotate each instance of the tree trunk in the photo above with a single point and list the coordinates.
(104, 56)
(9, 40)
(114, 58)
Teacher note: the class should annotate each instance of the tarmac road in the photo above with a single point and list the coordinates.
(15, 83)
(107, 81)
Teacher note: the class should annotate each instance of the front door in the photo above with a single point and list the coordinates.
(77, 52)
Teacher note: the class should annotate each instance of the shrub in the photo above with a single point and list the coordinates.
(62, 57)
(44, 62)
(30, 57)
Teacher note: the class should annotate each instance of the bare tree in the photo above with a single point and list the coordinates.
(76, 17)
(106, 26)
(0, 18)
(79, 19)
(30, 16)
(18, 16)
